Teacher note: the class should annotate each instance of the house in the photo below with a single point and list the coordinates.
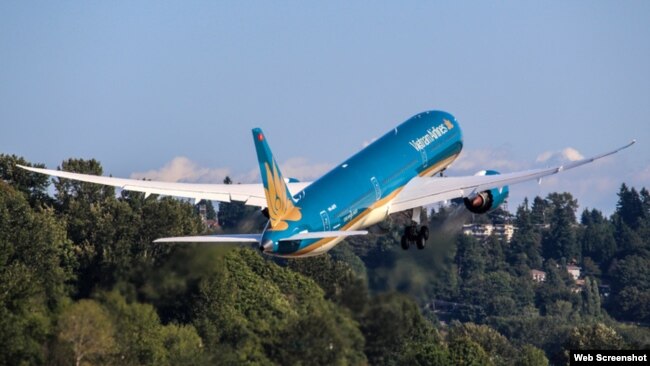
(580, 285)
(482, 231)
(537, 275)
(212, 224)
(574, 271)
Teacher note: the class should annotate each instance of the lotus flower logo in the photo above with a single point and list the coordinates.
(281, 208)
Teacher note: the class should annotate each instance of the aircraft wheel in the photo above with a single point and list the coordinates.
(424, 232)
(405, 243)
(421, 241)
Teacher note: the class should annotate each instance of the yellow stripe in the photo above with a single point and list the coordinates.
(324, 241)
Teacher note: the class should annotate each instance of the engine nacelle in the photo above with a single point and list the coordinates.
(486, 200)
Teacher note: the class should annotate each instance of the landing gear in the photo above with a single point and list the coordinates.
(413, 236)
(405, 243)
(423, 236)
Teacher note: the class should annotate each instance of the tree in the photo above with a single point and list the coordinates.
(555, 289)
(464, 351)
(394, 327)
(470, 257)
(560, 240)
(24, 322)
(33, 185)
(545, 332)
(525, 246)
(86, 326)
(539, 214)
(114, 237)
(36, 263)
(630, 281)
(340, 283)
(645, 200)
(597, 239)
(426, 354)
(138, 333)
(37, 239)
(591, 298)
(69, 190)
(183, 345)
(593, 336)
(630, 271)
(531, 356)
(317, 340)
(495, 249)
(630, 208)
(249, 310)
(231, 214)
(501, 351)
(632, 222)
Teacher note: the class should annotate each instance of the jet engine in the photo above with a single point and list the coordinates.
(486, 200)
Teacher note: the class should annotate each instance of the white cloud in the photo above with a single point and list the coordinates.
(564, 155)
(302, 169)
(182, 169)
(474, 160)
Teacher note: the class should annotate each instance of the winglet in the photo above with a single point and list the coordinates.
(281, 205)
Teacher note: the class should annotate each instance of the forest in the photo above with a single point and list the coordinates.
(81, 282)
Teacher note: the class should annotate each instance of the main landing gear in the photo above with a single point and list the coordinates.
(413, 236)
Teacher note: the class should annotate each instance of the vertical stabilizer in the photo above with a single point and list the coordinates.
(281, 205)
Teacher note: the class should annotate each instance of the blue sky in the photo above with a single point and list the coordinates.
(173, 88)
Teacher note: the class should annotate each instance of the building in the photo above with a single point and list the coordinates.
(580, 284)
(537, 275)
(574, 271)
(482, 231)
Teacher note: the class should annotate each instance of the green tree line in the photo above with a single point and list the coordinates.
(81, 282)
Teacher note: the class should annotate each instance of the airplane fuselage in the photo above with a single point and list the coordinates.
(357, 193)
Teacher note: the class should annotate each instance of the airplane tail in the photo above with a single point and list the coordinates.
(282, 207)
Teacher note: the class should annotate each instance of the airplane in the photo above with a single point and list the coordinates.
(397, 172)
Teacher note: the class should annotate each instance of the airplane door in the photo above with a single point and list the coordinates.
(375, 185)
(423, 155)
(325, 217)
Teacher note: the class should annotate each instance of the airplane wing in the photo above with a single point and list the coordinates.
(255, 238)
(422, 191)
(249, 194)
(232, 238)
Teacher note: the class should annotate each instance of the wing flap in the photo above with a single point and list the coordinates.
(422, 191)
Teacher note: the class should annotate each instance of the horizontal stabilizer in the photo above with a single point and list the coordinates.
(323, 234)
(232, 238)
